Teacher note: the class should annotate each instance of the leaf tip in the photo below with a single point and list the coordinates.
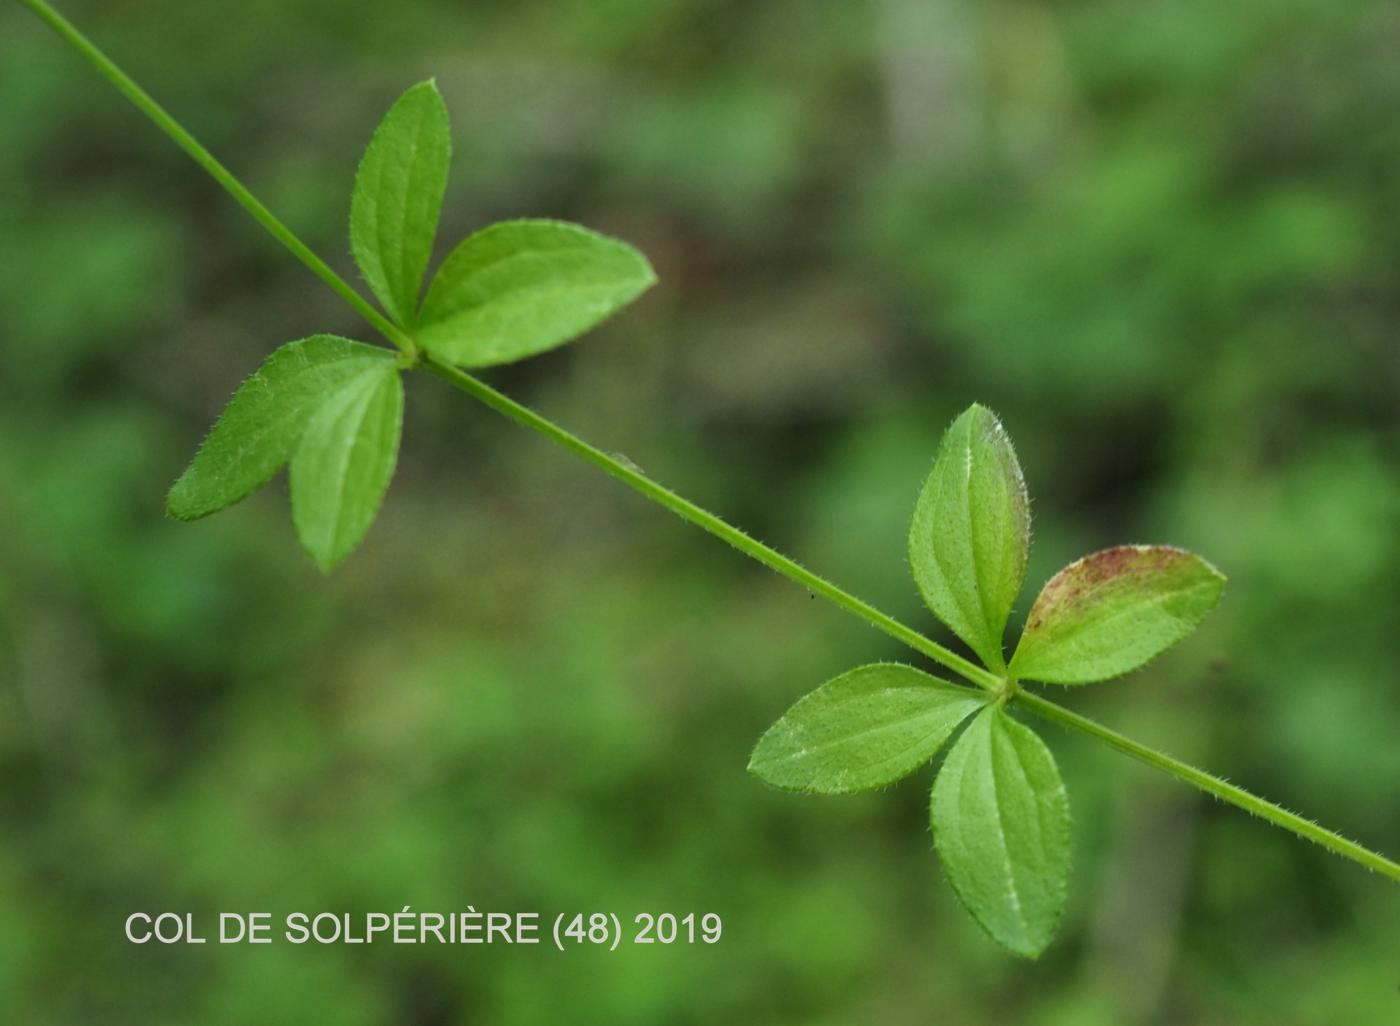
(1214, 572)
(173, 506)
(180, 505)
(326, 560)
(430, 86)
(1030, 951)
(427, 85)
(760, 761)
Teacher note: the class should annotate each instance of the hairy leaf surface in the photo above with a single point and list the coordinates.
(259, 429)
(970, 537)
(864, 729)
(521, 287)
(1001, 826)
(344, 463)
(398, 197)
(1113, 611)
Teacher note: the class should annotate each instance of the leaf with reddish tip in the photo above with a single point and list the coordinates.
(1114, 611)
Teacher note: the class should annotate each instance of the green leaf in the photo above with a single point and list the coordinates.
(970, 537)
(1001, 826)
(861, 730)
(343, 465)
(259, 429)
(1113, 611)
(398, 196)
(521, 287)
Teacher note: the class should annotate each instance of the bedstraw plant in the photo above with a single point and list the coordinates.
(331, 409)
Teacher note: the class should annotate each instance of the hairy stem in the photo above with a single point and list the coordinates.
(687, 510)
(167, 124)
(1211, 785)
(707, 521)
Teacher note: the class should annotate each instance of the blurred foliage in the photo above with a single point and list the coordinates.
(1162, 241)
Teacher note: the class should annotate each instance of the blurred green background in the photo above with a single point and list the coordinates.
(1161, 240)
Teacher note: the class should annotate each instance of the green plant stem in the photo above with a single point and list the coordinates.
(167, 124)
(1211, 785)
(707, 521)
(687, 510)
(776, 561)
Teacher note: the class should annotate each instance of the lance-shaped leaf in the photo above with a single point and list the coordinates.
(398, 197)
(344, 462)
(1113, 611)
(259, 429)
(970, 537)
(1001, 826)
(861, 730)
(521, 287)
